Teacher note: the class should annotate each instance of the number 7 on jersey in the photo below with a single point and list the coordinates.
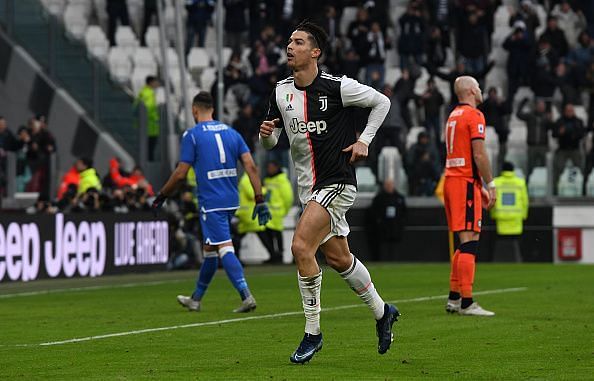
(450, 132)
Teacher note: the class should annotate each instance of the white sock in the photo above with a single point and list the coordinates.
(359, 280)
(310, 293)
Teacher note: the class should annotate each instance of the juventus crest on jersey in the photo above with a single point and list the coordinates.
(319, 122)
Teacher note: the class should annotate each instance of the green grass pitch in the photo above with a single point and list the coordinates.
(542, 331)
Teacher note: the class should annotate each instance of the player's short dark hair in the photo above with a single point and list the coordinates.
(317, 35)
(507, 166)
(203, 100)
(149, 79)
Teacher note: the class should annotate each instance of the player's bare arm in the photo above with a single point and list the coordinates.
(481, 159)
(176, 178)
(252, 172)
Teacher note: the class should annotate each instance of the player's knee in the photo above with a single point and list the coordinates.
(299, 248)
(470, 247)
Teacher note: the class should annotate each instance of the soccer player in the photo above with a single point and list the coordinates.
(213, 149)
(315, 109)
(466, 163)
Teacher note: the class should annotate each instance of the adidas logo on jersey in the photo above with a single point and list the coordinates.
(318, 126)
(289, 108)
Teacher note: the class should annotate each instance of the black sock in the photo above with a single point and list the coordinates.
(454, 295)
(466, 302)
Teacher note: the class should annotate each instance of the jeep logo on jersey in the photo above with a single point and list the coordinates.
(323, 103)
(318, 126)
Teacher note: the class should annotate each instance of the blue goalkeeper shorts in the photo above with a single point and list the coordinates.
(216, 226)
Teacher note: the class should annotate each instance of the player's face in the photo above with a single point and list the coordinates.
(300, 50)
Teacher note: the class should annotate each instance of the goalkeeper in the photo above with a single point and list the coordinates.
(213, 149)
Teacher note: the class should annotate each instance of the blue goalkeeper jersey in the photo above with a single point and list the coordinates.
(213, 149)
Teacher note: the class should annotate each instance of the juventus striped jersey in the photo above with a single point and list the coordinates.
(319, 122)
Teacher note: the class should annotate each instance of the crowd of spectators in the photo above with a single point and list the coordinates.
(446, 38)
(559, 58)
(33, 146)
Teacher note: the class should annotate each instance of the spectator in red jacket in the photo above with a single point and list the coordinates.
(135, 180)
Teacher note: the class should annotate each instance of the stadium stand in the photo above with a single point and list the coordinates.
(127, 62)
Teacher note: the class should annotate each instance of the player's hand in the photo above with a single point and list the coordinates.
(492, 198)
(358, 151)
(261, 210)
(267, 127)
(158, 203)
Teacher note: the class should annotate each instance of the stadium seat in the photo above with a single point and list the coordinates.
(227, 51)
(120, 65)
(570, 182)
(75, 21)
(198, 60)
(143, 59)
(491, 139)
(348, 15)
(176, 81)
(537, 182)
(172, 59)
(96, 41)
(126, 39)
(366, 181)
(392, 75)
(54, 7)
(152, 39)
(207, 78)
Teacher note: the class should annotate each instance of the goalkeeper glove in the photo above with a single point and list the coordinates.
(261, 210)
(158, 203)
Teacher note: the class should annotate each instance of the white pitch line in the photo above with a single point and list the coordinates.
(260, 317)
(89, 288)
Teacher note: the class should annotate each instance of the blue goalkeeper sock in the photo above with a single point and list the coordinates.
(234, 271)
(207, 272)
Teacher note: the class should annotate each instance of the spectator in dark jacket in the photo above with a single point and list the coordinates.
(526, 13)
(376, 57)
(357, 33)
(235, 23)
(436, 48)
(8, 142)
(473, 43)
(199, 14)
(386, 219)
(520, 46)
(116, 10)
(569, 132)
(545, 60)
(496, 111)
(411, 44)
(432, 101)
(583, 54)
(538, 122)
(422, 164)
(568, 83)
(41, 147)
(150, 10)
(404, 92)
(556, 36)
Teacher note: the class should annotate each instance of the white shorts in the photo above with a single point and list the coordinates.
(336, 199)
